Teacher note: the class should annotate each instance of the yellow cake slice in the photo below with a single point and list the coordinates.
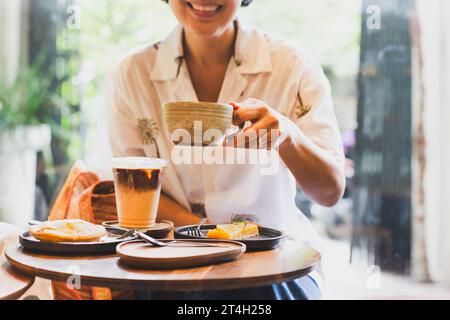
(234, 231)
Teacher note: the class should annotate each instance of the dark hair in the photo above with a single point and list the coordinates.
(245, 3)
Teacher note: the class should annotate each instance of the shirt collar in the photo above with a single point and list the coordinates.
(251, 56)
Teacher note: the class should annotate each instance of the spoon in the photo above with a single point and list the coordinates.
(34, 223)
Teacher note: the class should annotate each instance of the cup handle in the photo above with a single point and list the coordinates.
(241, 126)
(232, 135)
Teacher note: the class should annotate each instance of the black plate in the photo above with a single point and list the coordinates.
(268, 239)
(107, 246)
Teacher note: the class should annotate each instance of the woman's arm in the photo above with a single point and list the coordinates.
(318, 173)
(170, 210)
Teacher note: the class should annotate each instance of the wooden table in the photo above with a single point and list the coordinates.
(292, 260)
(13, 283)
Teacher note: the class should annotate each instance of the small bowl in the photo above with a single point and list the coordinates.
(197, 123)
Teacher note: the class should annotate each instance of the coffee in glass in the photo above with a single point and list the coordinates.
(137, 184)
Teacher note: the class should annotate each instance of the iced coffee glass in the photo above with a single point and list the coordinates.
(137, 184)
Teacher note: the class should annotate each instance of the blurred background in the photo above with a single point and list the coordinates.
(389, 66)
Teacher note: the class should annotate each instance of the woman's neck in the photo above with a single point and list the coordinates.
(212, 50)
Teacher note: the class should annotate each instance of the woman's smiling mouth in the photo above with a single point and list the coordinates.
(204, 10)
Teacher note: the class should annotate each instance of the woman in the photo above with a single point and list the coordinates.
(212, 56)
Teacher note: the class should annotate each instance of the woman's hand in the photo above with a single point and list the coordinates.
(319, 174)
(267, 130)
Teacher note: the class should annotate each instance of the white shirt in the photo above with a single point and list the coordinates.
(288, 79)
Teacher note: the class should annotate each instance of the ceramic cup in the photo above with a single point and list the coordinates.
(197, 123)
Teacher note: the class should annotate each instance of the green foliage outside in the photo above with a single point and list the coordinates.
(23, 100)
(31, 99)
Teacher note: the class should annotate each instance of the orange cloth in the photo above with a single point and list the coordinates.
(66, 204)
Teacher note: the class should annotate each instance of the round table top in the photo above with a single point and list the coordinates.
(291, 261)
(13, 283)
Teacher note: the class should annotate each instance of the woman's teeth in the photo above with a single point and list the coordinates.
(209, 8)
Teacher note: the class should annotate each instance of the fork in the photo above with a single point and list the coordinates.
(194, 232)
(183, 243)
(197, 231)
(127, 234)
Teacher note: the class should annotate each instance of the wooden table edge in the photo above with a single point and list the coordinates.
(164, 285)
(16, 295)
